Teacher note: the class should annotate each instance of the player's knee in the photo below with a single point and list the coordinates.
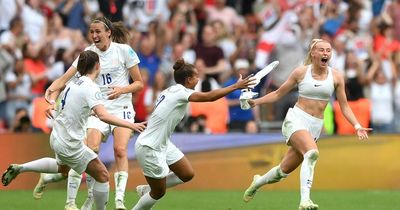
(157, 194)
(312, 155)
(120, 152)
(187, 176)
(102, 176)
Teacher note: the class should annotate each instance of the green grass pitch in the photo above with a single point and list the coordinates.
(218, 200)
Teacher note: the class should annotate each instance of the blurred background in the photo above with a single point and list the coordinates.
(39, 39)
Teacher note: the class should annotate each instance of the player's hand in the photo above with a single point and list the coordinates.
(252, 103)
(362, 133)
(115, 92)
(49, 111)
(139, 127)
(47, 95)
(246, 82)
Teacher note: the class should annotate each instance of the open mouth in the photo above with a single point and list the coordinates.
(324, 60)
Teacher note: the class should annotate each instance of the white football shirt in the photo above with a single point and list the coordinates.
(80, 96)
(114, 65)
(169, 110)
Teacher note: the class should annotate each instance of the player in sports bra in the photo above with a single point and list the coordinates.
(302, 126)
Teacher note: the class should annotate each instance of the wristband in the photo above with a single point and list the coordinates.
(357, 126)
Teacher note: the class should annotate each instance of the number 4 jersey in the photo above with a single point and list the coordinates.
(79, 97)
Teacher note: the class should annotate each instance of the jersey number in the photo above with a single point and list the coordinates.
(159, 100)
(106, 78)
(64, 99)
(127, 115)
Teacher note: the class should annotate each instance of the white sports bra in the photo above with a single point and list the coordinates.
(316, 89)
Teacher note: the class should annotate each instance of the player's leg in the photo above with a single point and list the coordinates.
(101, 187)
(74, 181)
(180, 167)
(93, 141)
(149, 199)
(305, 145)
(155, 170)
(290, 162)
(121, 139)
(43, 165)
(45, 179)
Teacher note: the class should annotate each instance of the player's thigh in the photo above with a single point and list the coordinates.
(178, 163)
(121, 137)
(97, 170)
(302, 141)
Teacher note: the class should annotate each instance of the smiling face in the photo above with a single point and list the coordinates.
(321, 53)
(100, 35)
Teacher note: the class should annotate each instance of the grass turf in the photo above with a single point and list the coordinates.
(218, 200)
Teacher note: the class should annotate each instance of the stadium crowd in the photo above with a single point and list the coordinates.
(39, 39)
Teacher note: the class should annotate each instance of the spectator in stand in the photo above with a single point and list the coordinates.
(240, 120)
(148, 56)
(74, 12)
(9, 10)
(21, 122)
(19, 94)
(35, 23)
(226, 14)
(62, 36)
(224, 39)
(13, 38)
(35, 65)
(393, 9)
(210, 55)
(382, 78)
(112, 9)
(139, 13)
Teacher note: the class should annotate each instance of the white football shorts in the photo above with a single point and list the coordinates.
(77, 155)
(297, 119)
(155, 163)
(127, 113)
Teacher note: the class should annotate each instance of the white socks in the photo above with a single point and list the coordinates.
(50, 178)
(44, 165)
(173, 180)
(90, 184)
(120, 178)
(272, 176)
(74, 181)
(100, 194)
(307, 173)
(145, 202)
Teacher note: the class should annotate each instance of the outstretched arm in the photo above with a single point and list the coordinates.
(221, 92)
(274, 96)
(346, 110)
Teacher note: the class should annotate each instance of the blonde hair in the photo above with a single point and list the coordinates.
(308, 59)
